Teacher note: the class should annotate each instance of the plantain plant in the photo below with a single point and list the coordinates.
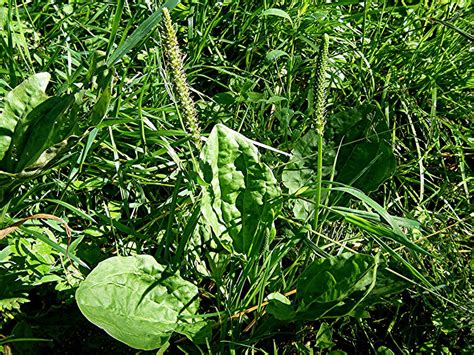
(143, 303)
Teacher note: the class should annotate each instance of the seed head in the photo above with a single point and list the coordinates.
(175, 59)
(321, 85)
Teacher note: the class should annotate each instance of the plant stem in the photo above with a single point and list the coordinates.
(317, 201)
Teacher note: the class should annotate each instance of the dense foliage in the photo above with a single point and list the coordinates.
(295, 177)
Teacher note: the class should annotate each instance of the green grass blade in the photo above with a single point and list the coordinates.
(73, 209)
(140, 34)
(53, 245)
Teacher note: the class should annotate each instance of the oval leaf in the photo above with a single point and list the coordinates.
(365, 159)
(240, 199)
(49, 119)
(334, 286)
(18, 103)
(135, 301)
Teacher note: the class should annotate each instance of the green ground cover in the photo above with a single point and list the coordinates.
(286, 177)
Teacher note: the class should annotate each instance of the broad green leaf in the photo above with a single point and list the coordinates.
(300, 170)
(197, 332)
(44, 132)
(34, 134)
(135, 300)
(329, 288)
(18, 103)
(334, 287)
(383, 350)
(365, 159)
(386, 287)
(361, 139)
(278, 13)
(240, 200)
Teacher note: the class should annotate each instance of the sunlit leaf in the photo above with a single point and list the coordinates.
(278, 13)
(140, 34)
(240, 199)
(135, 300)
(44, 132)
(18, 103)
(275, 54)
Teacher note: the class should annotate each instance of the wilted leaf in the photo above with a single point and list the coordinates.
(136, 301)
(18, 103)
(240, 200)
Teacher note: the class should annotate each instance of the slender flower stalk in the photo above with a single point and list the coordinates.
(180, 83)
(320, 105)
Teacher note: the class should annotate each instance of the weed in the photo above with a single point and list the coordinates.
(303, 213)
